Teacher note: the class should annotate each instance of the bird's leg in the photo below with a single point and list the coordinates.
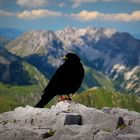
(65, 98)
(69, 98)
(61, 98)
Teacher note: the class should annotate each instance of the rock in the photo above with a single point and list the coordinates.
(74, 132)
(19, 134)
(129, 137)
(69, 121)
(103, 135)
(126, 130)
(73, 120)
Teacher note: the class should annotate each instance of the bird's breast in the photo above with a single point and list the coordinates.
(73, 77)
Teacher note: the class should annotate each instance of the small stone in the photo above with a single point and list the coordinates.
(73, 120)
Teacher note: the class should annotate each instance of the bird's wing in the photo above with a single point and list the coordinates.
(57, 80)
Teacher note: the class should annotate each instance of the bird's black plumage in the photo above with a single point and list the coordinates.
(66, 80)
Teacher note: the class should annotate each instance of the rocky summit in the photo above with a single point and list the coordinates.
(69, 121)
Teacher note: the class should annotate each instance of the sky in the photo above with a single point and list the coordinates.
(123, 15)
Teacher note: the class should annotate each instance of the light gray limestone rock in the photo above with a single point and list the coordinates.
(48, 124)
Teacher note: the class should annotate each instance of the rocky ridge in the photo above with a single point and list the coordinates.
(71, 121)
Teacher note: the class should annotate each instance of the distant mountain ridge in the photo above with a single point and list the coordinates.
(115, 54)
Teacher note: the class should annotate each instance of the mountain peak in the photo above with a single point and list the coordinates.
(89, 30)
(33, 42)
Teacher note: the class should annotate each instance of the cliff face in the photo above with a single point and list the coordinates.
(69, 121)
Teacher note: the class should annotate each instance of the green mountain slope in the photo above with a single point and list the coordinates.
(94, 78)
(12, 96)
(100, 97)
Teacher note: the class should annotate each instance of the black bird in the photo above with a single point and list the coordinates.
(66, 80)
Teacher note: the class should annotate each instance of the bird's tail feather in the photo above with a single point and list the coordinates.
(43, 102)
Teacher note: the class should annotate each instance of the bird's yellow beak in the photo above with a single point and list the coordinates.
(64, 58)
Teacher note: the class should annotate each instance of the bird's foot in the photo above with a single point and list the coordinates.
(64, 98)
(61, 98)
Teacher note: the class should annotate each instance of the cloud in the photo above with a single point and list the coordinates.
(30, 15)
(35, 14)
(77, 3)
(32, 3)
(86, 16)
(94, 15)
(5, 13)
(135, 16)
(83, 16)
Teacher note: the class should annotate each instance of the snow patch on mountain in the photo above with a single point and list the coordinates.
(129, 74)
(129, 77)
(116, 63)
(119, 68)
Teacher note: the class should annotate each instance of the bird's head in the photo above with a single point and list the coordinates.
(71, 57)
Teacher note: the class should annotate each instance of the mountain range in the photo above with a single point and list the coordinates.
(111, 61)
(116, 55)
